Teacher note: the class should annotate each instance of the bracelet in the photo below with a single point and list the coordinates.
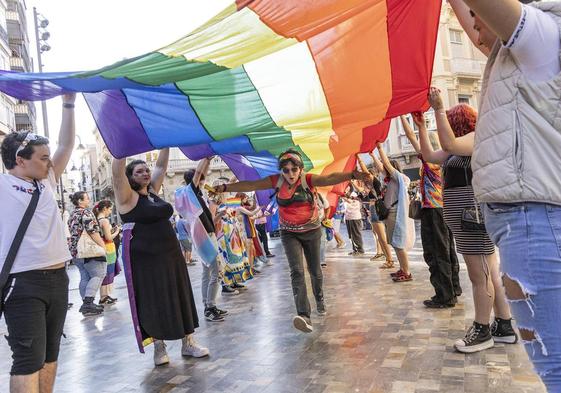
(68, 106)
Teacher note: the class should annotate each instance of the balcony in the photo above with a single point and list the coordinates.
(3, 34)
(17, 64)
(467, 67)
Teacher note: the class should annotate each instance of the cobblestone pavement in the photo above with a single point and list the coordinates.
(376, 337)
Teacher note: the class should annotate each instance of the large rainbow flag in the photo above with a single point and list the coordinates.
(320, 76)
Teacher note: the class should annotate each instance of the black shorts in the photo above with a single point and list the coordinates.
(35, 304)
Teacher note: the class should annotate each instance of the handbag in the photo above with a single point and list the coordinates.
(472, 219)
(16, 243)
(87, 247)
(381, 210)
(415, 208)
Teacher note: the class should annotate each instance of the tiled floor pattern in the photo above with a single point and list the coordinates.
(377, 337)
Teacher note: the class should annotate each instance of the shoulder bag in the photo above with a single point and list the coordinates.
(16, 243)
(87, 247)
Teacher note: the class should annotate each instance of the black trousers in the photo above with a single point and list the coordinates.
(262, 233)
(440, 255)
(354, 229)
(297, 246)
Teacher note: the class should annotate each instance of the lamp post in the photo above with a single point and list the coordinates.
(41, 37)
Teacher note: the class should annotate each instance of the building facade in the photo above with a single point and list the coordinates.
(19, 59)
(457, 72)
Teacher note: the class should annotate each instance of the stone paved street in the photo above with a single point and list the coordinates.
(376, 337)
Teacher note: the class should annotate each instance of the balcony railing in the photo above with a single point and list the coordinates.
(17, 63)
(468, 67)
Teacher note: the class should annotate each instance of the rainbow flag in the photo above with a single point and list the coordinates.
(233, 202)
(322, 77)
(187, 204)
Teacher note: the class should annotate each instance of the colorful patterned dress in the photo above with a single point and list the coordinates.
(231, 247)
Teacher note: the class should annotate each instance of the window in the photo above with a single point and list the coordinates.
(464, 99)
(456, 37)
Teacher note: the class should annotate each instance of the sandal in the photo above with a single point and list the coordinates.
(378, 257)
(403, 277)
(386, 265)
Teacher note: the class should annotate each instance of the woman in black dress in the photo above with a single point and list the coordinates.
(160, 290)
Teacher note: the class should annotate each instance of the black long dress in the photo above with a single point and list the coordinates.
(164, 298)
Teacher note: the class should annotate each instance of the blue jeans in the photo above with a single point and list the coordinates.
(529, 239)
(210, 284)
(92, 273)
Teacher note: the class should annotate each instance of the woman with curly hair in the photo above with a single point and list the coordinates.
(456, 132)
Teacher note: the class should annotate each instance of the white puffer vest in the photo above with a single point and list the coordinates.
(517, 154)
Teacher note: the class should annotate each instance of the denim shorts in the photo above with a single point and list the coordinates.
(529, 239)
(373, 215)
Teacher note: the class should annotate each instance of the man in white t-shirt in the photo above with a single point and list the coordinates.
(516, 165)
(36, 296)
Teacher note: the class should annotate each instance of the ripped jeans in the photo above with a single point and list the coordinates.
(529, 239)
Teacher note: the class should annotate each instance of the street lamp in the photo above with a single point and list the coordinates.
(41, 37)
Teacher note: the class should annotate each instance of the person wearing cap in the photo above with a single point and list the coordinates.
(300, 225)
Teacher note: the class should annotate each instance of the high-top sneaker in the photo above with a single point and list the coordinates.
(190, 347)
(160, 353)
(89, 308)
(502, 331)
(477, 338)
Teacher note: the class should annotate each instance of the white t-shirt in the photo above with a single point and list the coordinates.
(535, 44)
(44, 243)
(352, 211)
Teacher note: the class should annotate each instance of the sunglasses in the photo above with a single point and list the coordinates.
(288, 170)
(28, 138)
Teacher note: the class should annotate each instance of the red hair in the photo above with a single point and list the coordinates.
(462, 119)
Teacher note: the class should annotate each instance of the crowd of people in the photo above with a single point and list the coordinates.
(488, 180)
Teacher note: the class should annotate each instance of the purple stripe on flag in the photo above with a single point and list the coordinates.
(118, 123)
(127, 236)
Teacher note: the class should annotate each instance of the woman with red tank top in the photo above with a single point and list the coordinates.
(300, 225)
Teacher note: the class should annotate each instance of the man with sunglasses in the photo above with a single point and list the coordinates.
(35, 297)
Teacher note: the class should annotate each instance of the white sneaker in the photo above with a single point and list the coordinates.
(303, 324)
(190, 347)
(160, 353)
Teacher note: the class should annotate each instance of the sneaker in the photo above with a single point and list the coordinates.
(88, 308)
(321, 308)
(431, 303)
(269, 262)
(212, 315)
(227, 290)
(160, 354)
(107, 300)
(239, 287)
(192, 262)
(477, 338)
(303, 324)
(502, 331)
(221, 312)
(270, 255)
(189, 347)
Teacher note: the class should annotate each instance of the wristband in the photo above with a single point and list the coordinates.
(224, 190)
(68, 106)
